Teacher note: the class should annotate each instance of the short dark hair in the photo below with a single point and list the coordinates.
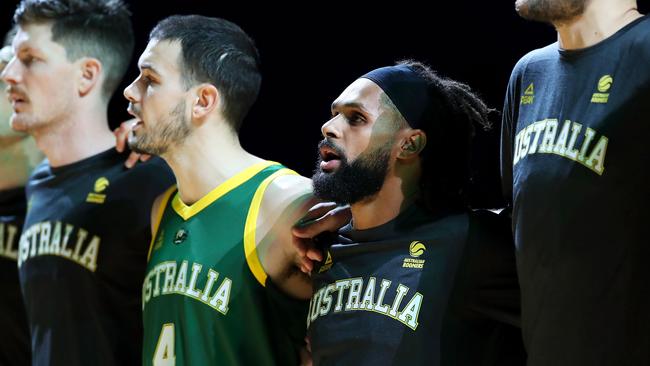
(218, 52)
(100, 29)
(450, 125)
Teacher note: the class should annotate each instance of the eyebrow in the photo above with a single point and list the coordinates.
(148, 66)
(355, 105)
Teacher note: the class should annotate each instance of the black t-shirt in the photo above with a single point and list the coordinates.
(576, 166)
(82, 258)
(14, 334)
(418, 291)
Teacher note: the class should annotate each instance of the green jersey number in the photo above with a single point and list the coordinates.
(164, 354)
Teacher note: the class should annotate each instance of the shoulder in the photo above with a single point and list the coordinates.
(534, 59)
(285, 189)
(639, 39)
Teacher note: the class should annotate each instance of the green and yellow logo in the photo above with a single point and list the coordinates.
(529, 95)
(604, 84)
(100, 186)
(328, 263)
(416, 249)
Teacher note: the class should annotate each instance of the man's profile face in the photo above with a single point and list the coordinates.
(41, 82)
(158, 100)
(358, 150)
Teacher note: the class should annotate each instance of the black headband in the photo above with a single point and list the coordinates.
(406, 89)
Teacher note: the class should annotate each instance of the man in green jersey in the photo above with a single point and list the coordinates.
(221, 285)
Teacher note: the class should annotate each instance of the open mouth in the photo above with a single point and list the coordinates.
(330, 158)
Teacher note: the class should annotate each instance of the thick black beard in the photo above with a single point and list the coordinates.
(352, 182)
(550, 11)
(172, 130)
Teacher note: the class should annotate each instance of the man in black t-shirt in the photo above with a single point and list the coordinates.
(83, 250)
(414, 278)
(575, 166)
(18, 156)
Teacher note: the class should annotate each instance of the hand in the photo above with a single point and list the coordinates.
(305, 353)
(121, 137)
(320, 218)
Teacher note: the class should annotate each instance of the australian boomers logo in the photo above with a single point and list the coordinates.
(98, 196)
(416, 249)
(604, 84)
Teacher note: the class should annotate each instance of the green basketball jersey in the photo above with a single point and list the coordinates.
(206, 299)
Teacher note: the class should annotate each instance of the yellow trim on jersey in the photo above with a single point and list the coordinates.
(159, 215)
(233, 182)
(250, 244)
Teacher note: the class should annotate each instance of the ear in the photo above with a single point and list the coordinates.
(206, 99)
(412, 145)
(91, 71)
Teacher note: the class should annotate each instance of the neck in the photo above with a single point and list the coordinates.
(18, 157)
(398, 192)
(216, 150)
(601, 19)
(81, 134)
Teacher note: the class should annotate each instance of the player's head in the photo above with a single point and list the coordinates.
(393, 118)
(192, 68)
(551, 11)
(6, 53)
(67, 52)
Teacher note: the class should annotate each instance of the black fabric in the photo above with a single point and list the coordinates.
(83, 312)
(469, 311)
(14, 337)
(575, 165)
(406, 89)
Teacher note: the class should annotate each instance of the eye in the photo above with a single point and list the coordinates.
(146, 80)
(27, 60)
(355, 118)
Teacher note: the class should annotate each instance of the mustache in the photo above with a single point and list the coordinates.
(329, 144)
(133, 110)
(12, 89)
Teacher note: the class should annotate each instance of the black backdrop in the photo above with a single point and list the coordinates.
(312, 50)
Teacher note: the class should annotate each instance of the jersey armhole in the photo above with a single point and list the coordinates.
(161, 209)
(250, 228)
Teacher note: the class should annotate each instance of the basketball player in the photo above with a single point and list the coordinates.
(18, 156)
(222, 286)
(414, 278)
(575, 165)
(82, 253)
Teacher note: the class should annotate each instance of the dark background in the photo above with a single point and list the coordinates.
(312, 51)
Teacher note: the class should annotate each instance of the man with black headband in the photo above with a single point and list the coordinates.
(414, 278)
(576, 170)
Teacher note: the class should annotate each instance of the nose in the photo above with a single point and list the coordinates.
(131, 93)
(331, 129)
(10, 74)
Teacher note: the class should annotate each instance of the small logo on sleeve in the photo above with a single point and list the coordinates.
(604, 84)
(328, 263)
(98, 196)
(529, 95)
(416, 249)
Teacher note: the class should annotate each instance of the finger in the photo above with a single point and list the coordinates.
(331, 221)
(316, 212)
(145, 157)
(131, 160)
(122, 134)
(314, 254)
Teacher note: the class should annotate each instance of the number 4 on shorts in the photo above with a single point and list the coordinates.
(164, 354)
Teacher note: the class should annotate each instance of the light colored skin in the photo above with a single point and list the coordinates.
(57, 101)
(362, 121)
(18, 152)
(214, 147)
(600, 20)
